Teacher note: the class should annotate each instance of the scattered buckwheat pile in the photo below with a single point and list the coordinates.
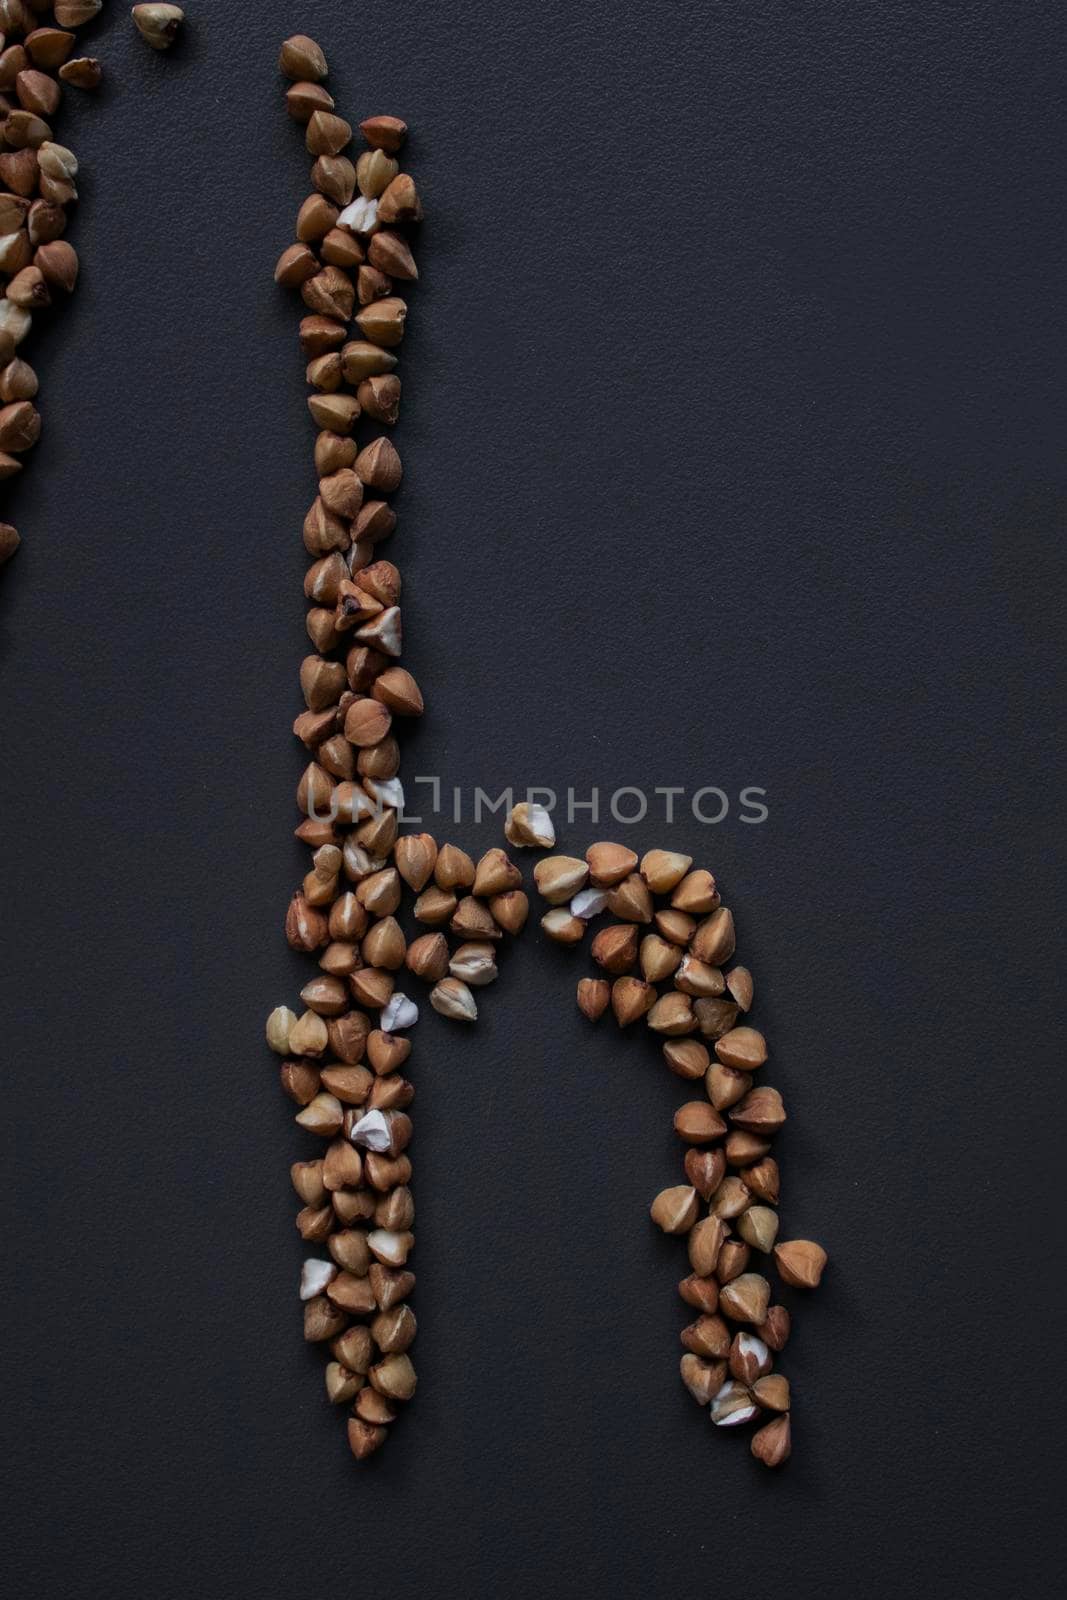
(668, 964)
(37, 188)
(345, 1054)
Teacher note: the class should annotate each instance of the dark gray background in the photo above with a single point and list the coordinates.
(733, 425)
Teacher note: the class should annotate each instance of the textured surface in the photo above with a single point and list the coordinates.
(734, 427)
